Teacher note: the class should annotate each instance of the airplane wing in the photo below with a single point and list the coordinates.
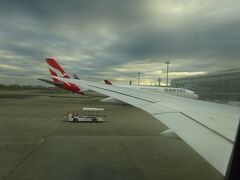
(59, 84)
(209, 128)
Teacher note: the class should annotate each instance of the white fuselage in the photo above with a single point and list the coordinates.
(165, 90)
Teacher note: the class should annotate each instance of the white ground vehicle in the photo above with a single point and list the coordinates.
(88, 114)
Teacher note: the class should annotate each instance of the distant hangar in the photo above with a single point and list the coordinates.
(221, 85)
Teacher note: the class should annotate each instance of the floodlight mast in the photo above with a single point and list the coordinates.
(159, 82)
(138, 78)
(167, 63)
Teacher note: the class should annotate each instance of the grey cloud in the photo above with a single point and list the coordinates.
(80, 12)
(94, 37)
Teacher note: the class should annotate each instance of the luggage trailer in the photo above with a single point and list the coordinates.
(87, 115)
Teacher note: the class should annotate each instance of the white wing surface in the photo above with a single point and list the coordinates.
(209, 128)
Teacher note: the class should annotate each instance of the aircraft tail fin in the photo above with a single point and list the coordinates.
(53, 64)
(75, 76)
(106, 81)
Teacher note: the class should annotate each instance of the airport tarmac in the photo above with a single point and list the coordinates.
(36, 142)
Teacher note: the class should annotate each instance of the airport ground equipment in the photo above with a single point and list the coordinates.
(87, 114)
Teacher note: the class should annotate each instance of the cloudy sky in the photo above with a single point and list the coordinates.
(115, 39)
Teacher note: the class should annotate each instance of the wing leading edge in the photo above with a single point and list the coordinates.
(209, 128)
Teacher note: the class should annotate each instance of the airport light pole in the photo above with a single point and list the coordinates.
(159, 82)
(167, 63)
(138, 78)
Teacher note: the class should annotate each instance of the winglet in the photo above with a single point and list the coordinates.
(107, 82)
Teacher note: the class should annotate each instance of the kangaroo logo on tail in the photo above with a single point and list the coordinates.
(53, 64)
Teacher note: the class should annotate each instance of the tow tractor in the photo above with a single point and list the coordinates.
(87, 114)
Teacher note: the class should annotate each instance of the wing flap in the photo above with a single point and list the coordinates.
(157, 108)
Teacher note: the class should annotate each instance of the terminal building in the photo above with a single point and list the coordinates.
(221, 85)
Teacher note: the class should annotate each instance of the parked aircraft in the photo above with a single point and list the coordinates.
(54, 70)
(162, 90)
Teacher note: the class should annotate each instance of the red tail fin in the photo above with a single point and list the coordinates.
(52, 62)
(107, 82)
